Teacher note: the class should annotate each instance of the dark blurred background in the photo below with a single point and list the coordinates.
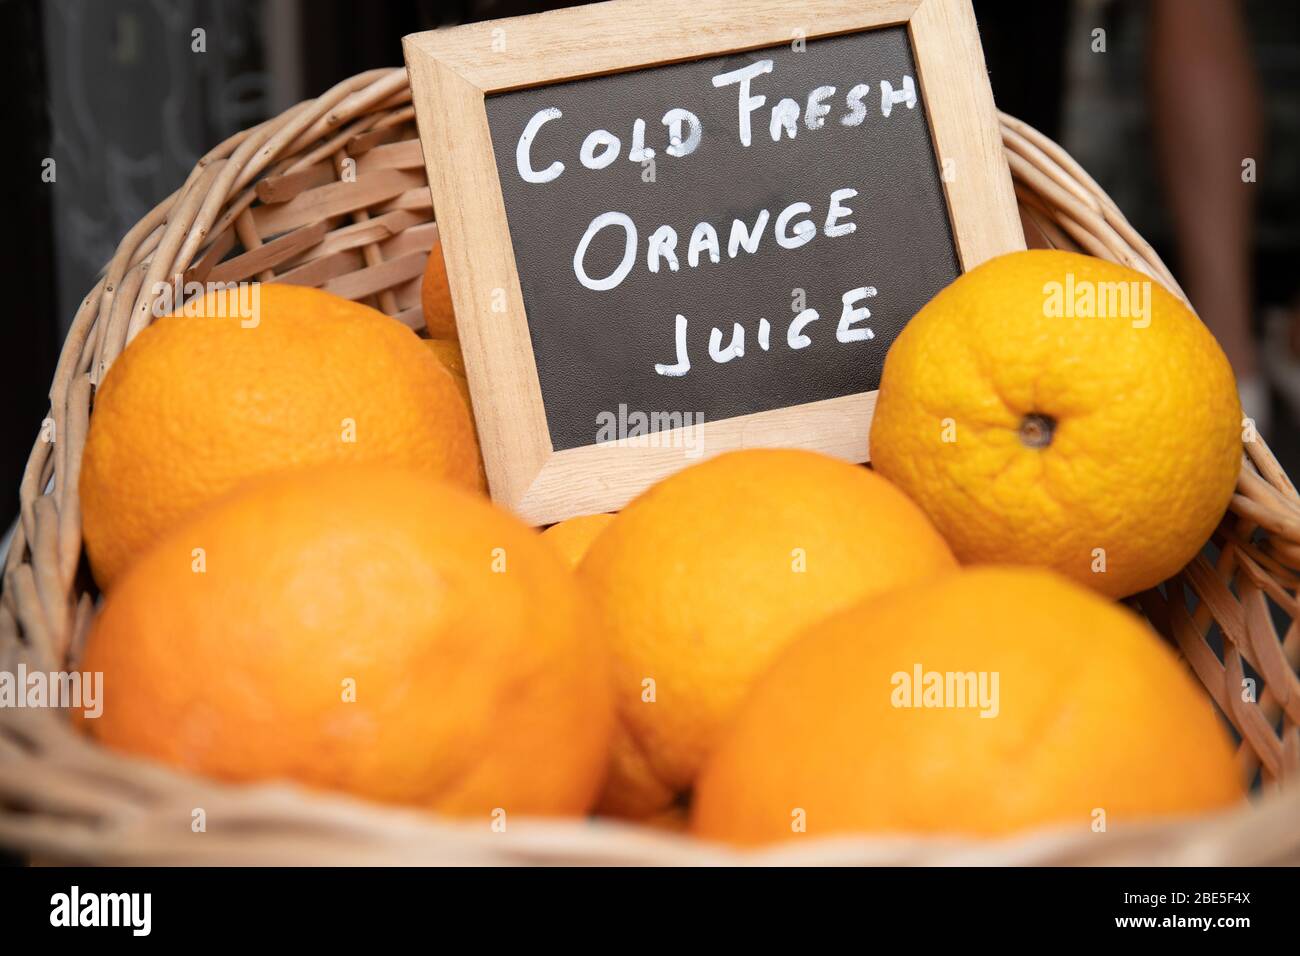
(1161, 100)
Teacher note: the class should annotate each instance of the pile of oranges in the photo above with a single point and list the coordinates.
(304, 579)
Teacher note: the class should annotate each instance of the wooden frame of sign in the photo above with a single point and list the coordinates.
(453, 70)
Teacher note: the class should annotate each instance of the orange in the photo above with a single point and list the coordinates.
(198, 404)
(674, 819)
(447, 351)
(363, 629)
(1034, 430)
(1092, 721)
(435, 296)
(573, 536)
(708, 574)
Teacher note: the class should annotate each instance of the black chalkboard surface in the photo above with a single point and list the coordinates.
(675, 228)
(874, 228)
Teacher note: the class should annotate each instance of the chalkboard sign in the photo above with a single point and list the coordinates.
(674, 229)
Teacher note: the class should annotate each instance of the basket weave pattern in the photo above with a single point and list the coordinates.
(333, 194)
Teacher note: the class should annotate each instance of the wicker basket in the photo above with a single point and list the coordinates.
(278, 202)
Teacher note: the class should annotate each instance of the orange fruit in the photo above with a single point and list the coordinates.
(674, 819)
(573, 536)
(447, 351)
(707, 575)
(1092, 720)
(435, 296)
(364, 629)
(198, 404)
(1032, 432)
